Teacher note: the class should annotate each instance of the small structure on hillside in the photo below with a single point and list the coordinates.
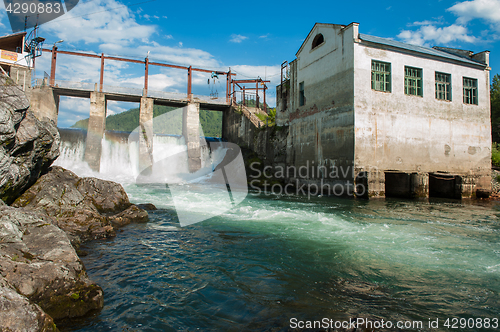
(16, 58)
(393, 118)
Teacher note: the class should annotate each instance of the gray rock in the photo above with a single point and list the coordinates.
(147, 206)
(27, 146)
(38, 260)
(85, 208)
(56, 195)
(105, 196)
(130, 215)
(17, 313)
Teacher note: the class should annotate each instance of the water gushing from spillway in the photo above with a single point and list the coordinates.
(120, 154)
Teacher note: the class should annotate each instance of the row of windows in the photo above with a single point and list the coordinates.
(381, 81)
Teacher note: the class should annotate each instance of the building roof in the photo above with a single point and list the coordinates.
(418, 49)
(11, 42)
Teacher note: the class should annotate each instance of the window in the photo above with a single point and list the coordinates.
(318, 40)
(381, 76)
(443, 86)
(413, 81)
(470, 91)
(302, 98)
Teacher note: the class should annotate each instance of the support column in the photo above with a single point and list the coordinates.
(95, 131)
(44, 103)
(191, 133)
(146, 134)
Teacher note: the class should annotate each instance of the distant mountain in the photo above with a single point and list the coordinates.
(211, 122)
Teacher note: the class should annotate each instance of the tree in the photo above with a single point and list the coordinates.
(495, 108)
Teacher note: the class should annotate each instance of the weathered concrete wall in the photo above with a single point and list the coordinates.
(407, 133)
(21, 76)
(95, 131)
(268, 143)
(191, 133)
(146, 133)
(44, 103)
(321, 132)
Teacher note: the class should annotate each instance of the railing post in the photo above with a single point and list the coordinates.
(190, 73)
(243, 99)
(53, 66)
(146, 63)
(234, 93)
(101, 82)
(228, 86)
(257, 94)
(265, 105)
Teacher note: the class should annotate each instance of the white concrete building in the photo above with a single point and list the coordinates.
(403, 120)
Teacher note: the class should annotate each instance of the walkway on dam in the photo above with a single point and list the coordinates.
(46, 94)
(129, 94)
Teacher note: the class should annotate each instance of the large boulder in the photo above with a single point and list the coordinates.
(17, 313)
(38, 260)
(27, 146)
(85, 208)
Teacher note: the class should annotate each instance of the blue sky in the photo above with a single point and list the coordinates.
(253, 38)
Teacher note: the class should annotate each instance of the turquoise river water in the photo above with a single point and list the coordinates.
(272, 259)
(272, 262)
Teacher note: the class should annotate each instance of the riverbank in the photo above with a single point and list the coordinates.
(52, 211)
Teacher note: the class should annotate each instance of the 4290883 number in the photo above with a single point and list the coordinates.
(479, 323)
(33, 8)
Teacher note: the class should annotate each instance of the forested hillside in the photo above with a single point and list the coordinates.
(211, 122)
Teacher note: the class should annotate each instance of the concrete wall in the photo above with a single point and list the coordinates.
(395, 131)
(146, 134)
(44, 103)
(268, 143)
(321, 132)
(21, 76)
(95, 131)
(191, 133)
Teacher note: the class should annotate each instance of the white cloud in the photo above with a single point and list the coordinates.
(157, 82)
(115, 107)
(466, 11)
(167, 54)
(488, 10)
(265, 36)
(110, 21)
(237, 38)
(442, 36)
(438, 21)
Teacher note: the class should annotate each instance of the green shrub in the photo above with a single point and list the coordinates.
(495, 155)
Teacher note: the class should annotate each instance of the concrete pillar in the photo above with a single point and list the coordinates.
(146, 134)
(191, 133)
(95, 131)
(44, 103)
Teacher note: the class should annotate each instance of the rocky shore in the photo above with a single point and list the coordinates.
(45, 214)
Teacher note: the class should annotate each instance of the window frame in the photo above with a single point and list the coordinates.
(417, 80)
(446, 84)
(316, 41)
(302, 96)
(387, 76)
(472, 98)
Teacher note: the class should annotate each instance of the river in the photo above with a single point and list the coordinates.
(275, 262)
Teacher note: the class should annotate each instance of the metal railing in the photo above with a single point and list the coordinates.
(130, 91)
